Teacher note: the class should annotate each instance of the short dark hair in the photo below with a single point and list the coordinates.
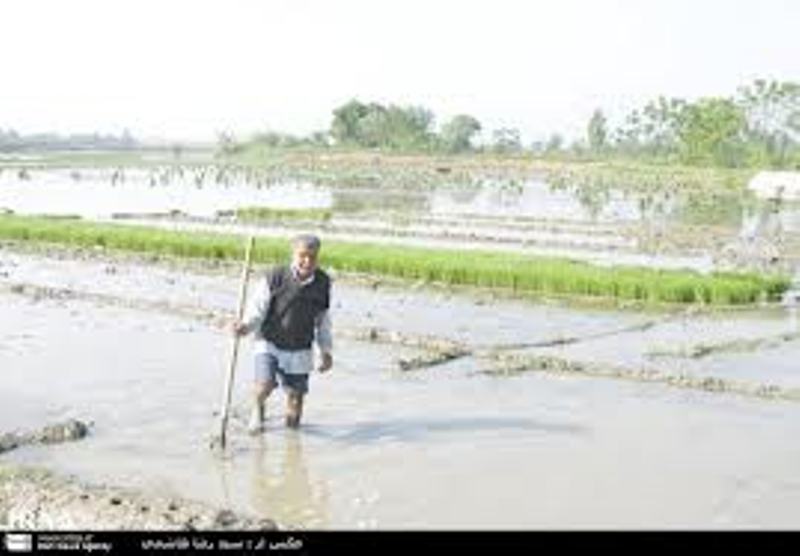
(309, 241)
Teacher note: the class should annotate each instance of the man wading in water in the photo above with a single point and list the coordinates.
(289, 313)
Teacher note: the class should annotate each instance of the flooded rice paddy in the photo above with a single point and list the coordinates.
(445, 409)
(611, 225)
(474, 441)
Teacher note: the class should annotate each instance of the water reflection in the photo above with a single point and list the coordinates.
(204, 191)
(712, 209)
(349, 201)
(409, 430)
(100, 193)
(539, 199)
(282, 487)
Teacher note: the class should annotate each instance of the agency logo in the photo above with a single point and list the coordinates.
(18, 542)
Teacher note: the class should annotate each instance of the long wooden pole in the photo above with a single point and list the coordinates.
(226, 399)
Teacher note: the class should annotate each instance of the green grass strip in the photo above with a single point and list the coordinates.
(266, 214)
(517, 272)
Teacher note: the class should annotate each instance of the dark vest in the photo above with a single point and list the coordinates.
(289, 323)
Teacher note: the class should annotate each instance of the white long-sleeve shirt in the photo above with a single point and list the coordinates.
(292, 362)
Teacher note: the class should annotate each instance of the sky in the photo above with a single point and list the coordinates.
(183, 69)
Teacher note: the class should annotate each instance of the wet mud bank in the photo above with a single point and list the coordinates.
(35, 499)
(506, 365)
(51, 434)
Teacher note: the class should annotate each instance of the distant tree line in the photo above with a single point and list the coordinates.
(11, 140)
(376, 126)
(759, 126)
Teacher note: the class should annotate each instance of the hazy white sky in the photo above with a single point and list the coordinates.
(188, 69)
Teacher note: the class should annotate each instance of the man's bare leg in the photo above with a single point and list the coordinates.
(260, 394)
(294, 409)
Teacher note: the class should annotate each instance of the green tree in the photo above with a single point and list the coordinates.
(772, 112)
(408, 127)
(376, 126)
(346, 120)
(660, 123)
(373, 128)
(277, 139)
(457, 134)
(711, 130)
(554, 143)
(506, 140)
(319, 138)
(596, 131)
(653, 129)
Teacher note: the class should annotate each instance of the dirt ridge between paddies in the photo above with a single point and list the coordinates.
(523, 274)
(431, 351)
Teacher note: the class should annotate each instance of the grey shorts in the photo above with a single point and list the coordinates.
(267, 370)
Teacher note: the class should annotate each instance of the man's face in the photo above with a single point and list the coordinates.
(304, 260)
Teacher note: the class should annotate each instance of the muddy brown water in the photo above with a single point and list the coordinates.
(443, 447)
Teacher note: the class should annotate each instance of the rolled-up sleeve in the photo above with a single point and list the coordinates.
(324, 332)
(256, 310)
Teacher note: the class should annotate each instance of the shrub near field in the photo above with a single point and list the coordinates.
(515, 272)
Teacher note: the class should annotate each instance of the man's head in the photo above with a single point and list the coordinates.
(305, 248)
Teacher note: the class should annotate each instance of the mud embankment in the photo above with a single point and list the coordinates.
(37, 499)
(513, 364)
(739, 345)
(495, 359)
(33, 499)
(51, 434)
